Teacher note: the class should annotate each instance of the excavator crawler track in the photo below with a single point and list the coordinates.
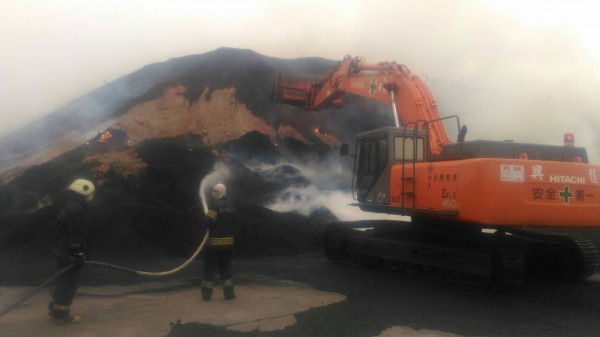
(496, 261)
(499, 260)
(560, 256)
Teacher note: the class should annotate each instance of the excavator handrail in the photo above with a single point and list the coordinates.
(459, 128)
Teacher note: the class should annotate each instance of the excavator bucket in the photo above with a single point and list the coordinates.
(296, 92)
(290, 92)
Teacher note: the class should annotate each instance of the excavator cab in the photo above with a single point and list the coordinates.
(376, 152)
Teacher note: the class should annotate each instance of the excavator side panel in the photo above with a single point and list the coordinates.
(504, 192)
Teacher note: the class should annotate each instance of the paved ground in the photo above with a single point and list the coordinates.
(150, 309)
(309, 296)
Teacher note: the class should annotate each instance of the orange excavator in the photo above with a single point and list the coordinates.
(482, 212)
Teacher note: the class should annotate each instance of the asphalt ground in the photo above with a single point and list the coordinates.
(372, 302)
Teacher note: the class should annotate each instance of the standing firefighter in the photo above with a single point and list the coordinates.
(219, 250)
(72, 234)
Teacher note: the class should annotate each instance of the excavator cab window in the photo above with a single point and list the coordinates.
(408, 149)
(372, 161)
(373, 156)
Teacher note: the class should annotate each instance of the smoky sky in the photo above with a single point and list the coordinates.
(526, 70)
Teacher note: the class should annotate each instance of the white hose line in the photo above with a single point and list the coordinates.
(168, 272)
(113, 266)
(155, 274)
(108, 265)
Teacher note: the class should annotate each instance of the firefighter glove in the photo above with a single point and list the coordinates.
(211, 215)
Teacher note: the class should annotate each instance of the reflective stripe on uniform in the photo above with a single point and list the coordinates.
(227, 209)
(227, 241)
(207, 284)
(228, 283)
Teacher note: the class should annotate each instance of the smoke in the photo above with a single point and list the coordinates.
(64, 129)
(543, 52)
(329, 187)
(306, 200)
(220, 174)
(534, 112)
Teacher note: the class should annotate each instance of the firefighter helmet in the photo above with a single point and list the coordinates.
(218, 191)
(83, 187)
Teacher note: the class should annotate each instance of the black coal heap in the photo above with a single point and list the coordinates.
(156, 213)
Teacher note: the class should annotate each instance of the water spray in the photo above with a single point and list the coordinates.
(219, 174)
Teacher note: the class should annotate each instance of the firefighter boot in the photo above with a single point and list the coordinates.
(228, 290)
(229, 293)
(61, 314)
(207, 290)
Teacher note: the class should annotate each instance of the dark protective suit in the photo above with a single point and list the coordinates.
(218, 253)
(71, 237)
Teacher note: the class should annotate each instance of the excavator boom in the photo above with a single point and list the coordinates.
(386, 82)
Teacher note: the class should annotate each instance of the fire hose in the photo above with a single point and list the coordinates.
(106, 265)
(113, 266)
(154, 274)
(34, 291)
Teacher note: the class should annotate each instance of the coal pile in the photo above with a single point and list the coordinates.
(155, 214)
(147, 206)
(251, 74)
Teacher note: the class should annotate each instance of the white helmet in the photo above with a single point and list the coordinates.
(83, 187)
(218, 191)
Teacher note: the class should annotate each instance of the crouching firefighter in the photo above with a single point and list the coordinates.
(71, 237)
(218, 253)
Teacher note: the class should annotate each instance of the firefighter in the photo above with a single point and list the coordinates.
(71, 237)
(218, 253)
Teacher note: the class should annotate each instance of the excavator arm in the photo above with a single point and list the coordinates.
(387, 82)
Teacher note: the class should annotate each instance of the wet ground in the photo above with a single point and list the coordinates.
(152, 309)
(306, 295)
